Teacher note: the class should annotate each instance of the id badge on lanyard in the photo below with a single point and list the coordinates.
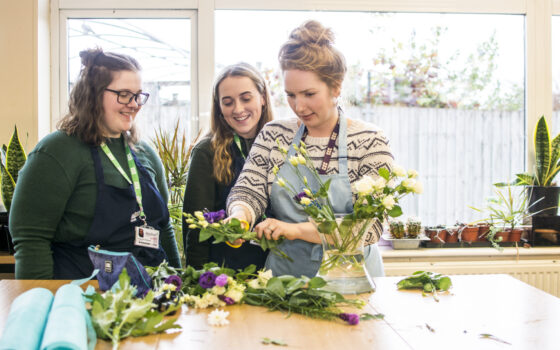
(144, 235)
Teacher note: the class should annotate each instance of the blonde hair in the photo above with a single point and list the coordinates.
(220, 132)
(310, 48)
(85, 116)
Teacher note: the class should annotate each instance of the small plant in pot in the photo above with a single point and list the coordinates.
(396, 228)
(506, 213)
(413, 227)
(437, 234)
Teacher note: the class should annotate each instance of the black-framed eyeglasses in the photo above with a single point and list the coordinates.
(124, 97)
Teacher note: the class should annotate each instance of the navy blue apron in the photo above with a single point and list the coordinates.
(112, 228)
(248, 253)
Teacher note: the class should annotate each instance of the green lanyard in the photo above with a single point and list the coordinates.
(133, 173)
(238, 143)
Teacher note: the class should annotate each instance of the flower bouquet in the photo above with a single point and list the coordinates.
(215, 286)
(344, 236)
(212, 224)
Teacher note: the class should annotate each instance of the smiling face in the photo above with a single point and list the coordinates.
(118, 118)
(241, 105)
(312, 101)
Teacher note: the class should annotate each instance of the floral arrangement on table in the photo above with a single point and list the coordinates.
(215, 286)
(375, 199)
(212, 224)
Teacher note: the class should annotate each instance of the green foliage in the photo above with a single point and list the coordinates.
(229, 232)
(300, 295)
(174, 152)
(119, 314)
(547, 159)
(428, 282)
(12, 160)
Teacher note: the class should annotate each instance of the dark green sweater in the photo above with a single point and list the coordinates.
(203, 191)
(56, 194)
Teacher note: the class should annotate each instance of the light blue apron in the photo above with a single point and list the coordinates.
(307, 256)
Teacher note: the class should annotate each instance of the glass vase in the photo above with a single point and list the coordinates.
(343, 265)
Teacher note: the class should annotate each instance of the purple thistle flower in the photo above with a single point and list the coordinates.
(351, 319)
(215, 216)
(207, 280)
(227, 300)
(221, 280)
(174, 279)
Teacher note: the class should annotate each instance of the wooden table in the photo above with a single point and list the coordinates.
(500, 305)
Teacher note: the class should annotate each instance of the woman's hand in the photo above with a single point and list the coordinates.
(240, 214)
(274, 229)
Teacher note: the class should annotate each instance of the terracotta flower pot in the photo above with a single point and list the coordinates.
(503, 234)
(483, 230)
(452, 236)
(469, 233)
(515, 235)
(437, 235)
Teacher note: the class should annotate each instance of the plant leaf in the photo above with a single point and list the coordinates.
(542, 151)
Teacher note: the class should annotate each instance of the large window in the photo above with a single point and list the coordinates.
(448, 89)
(163, 48)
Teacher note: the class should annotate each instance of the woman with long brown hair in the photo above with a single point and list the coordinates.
(240, 109)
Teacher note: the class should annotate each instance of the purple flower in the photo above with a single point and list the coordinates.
(299, 196)
(214, 216)
(221, 280)
(351, 319)
(174, 279)
(227, 300)
(207, 280)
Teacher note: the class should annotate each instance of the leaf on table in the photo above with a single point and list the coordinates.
(367, 316)
(268, 341)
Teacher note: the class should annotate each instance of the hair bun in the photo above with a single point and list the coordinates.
(89, 56)
(313, 33)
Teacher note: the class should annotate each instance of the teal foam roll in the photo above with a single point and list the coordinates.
(67, 326)
(26, 320)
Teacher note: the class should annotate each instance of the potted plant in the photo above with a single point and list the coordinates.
(413, 227)
(396, 228)
(12, 159)
(542, 190)
(437, 234)
(506, 213)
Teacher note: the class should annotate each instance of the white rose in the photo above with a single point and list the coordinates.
(305, 201)
(218, 290)
(379, 184)
(398, 170)
(364, 186)
(388, 202)
(265, 276)
(412, 173)
(254, 284)
(235, 294)
(418, 187)
(408, 183)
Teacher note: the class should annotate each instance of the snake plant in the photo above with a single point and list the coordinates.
(12, 160)
(547, 158)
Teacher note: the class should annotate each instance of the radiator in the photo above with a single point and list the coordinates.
(542, 274)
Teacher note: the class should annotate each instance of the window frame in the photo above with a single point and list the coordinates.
(538, 45)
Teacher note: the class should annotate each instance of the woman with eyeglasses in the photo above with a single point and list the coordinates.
(92, 182)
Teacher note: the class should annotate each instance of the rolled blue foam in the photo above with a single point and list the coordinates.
(26, 320)
(66, 326)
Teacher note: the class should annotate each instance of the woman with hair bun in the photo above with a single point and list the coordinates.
(342, 149)
(240, 108)
(92, 182)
